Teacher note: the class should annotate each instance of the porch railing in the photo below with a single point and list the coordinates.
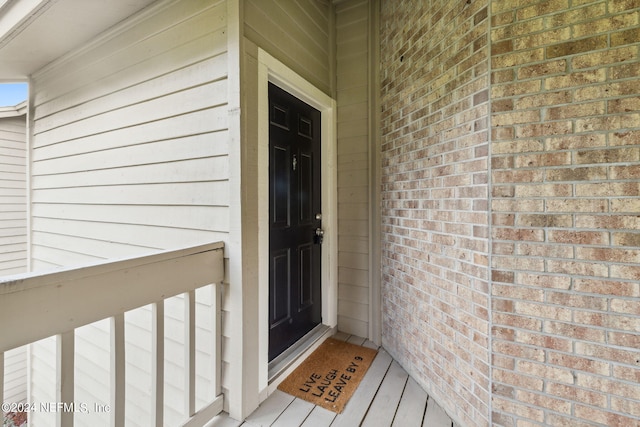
(38, 306)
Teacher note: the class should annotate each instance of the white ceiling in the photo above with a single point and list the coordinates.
(36, 32)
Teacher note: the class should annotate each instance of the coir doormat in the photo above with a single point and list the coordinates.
(330, 375)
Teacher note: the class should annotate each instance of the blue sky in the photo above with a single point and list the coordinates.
(12, 93)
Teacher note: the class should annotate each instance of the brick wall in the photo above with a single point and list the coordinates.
(565, 212)
(434, 65)
(561, 298)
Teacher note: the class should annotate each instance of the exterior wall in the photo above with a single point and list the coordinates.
(13, 234)
(296, 33)
(352, 96)
(15, 381)
(566, 232)
(435, 293)
(130, 155)
(562, 298)
(300, 34)
(13, 194)
(130, 141)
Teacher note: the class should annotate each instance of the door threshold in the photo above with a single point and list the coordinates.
(291, 357)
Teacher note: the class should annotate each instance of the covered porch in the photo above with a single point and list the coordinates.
(387, 396)
(481, 198)
(58, 305)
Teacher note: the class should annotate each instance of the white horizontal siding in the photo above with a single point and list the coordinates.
(295, 32)
(130, 154)
(42, 379)
(13, 192)
(15, 375)
(92, 374)
(130, 140)
(353, 167)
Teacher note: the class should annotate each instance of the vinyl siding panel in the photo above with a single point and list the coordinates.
(130, 140)
(130, 155)
(353, 167)
(13, 235)
(15, 380)
(296, 33)
(13, 195)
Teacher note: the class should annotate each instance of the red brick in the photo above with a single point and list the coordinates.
(576, 141)
(518, 234)
(618, 355)
(579, 237)
(543, 311)
(629, 272)
(607, 287)
(622, 339)
(621, 38)
(608, 254)
(574, 331)
(577, 174)
(577, 300)
(544, 341)
(626, 373)
(604, 417)
(543, 280)
(544, 220)
(577, 268)
(564, 160)
(518, 380)
(625, 306)
(609, 56)
(577, 46)
(579, 363)
(518, 322)
(544, 401)
(567, 391)
(544, 250)
(518, 351)
(542, 69)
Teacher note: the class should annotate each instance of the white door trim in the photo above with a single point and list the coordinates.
(272, 70)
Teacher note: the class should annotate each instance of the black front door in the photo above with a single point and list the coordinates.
(294, 218)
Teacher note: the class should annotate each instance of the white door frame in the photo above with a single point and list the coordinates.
(272, 70)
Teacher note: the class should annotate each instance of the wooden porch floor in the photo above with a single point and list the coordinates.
(386, 397)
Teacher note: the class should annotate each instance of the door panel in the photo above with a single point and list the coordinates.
(281, 272)
(305, 255)
(294, 200)
(281, 202)
(306, 214)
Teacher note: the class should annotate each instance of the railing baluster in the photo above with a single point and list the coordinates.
(118, 365)
(190, 352)
(65, 375)
(1, 382)
(217, 338)
(157, 371)
(116, 288)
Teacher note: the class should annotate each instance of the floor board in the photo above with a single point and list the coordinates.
(269, 411)
(386, 397)
(358, 405)
(386, 401)
(295, 414)
(411, 410)
(435, 416)
(319, 417)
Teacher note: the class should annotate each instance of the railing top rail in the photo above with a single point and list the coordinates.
(37, 305)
